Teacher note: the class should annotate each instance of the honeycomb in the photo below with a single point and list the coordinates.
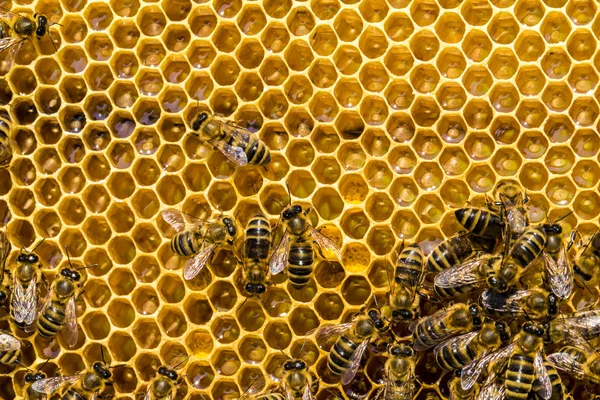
(383, 115)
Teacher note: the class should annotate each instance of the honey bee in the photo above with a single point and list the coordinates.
(465, 277)
(24, 300)
(454, 320)
(256, 253)
(408, 276)
(559, 270)
(536, 303)
(15, 29)
(198, 239)
(520, 364)
(587, 261)
(30, 378)
(558, 390)
(83, 386)
(10, 349)
(237, 144)
(351, 341)
(579, 362)
(58, 312)
(297, 381)
(164, 384)
(512, 210)
(457, 352)
(452, 252)
(581, 326)
(480, 222)
(296, 250)
(6, 150)
(400, 373)
(5, 248)
(457, 392)
(525, 249)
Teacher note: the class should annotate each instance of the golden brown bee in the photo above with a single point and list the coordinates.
(480, 222)
(164, 385)
(458, 393)
(512, 209)
(198, 239)
(15, 29)
(408, 276)
(6, 150)
(465, 277)
(237, 144)
(535, 303)
(581, 326)
(587, 261)
(83, 386)
(559, 271)
(400, 373)
(256, 252)
(10, 349)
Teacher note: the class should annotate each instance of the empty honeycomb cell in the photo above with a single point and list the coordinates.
(48, 161)
(399, 95)
(373, 44)
(200, 375)
(48, 100)
(427, 145)
(586, 174)
(277, 8)
(430, 208)
(47, 191)
(172, 321)
(556, 63)
(302, 320)
(73, 119)
(250, 316)
(25, 141)
(424, 12)
(587, 204)
(73, 89)
(503, 28)
(581, 12)
(424, 78)
(581, 45)
(72, 210)
(450, 62)
(24, 171)
(96, 326)
(455, 192)
(559, 128)
(347, 59)
(356, 290)
(355, 223)
(300, 21)
(145, 300)
(449, 28)
(584, 111)
(176, 37)
(48, 71)
(97, 293)
(23, 202)
(380, 240)
(48, 223)
(374, 110)
(74, 29)
(253, 350)
(507, 162)
(122, 346)
(451, 96)
(348, 25)
(424, 45)
(121, 313)
(99, 47)
(476, 45)
(72, 59)
(222, 295)
(151, 52)
(348, 92)
(583, 78)
(378, 175)
(24, 81)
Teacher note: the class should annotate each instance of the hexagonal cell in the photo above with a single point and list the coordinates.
(226, 362)
(303, 320)
(479, 146)
(199, 342)
(122, 346)
(481, 178)
(424, 78)
(555, 28)
(96, 325)
(559, 160)
(451, 96)
(455, 192)
(584, 111)
(250, 316)
(560, 191)
(252, 349)
(586, 174)
(424, 45)
(585, 143)
(450, 28)
(172, 321)
(424, 12)
(581, 45)
(503, 28)
(225, 329)
(300, 21)
(477, 45)
(348, 25)
(533, 176)
(556, 63)
(507, 162)
(275, 37)
(121, 313)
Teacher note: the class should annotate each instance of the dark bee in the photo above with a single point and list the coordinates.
(446, 323)
(296, 249)
(459, 351)
(352, 341)
(535, 303)
(408, 276)
(30, 378)
(297, 382)
(512, 210)
(256, 252)
(586, 264)
(480, 222)
(238, 144)
(83, 386)
(26, 278)
(581, 362)
(15, 29)
(559, 271)
(6, 150)
(519, 257)
(198, 239)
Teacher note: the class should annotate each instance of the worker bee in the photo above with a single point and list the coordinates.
(5, 248)
(408, 276)
(26, 278)
(164, 384)
(457, 392)
(83, 386)
(512, 210)
(559, 271)
(6, 149)
(58, 312)
(237, 144)
(400, 373)
(10, 349)
(581, 326)
(297, 382)
(480, 222)
(295, 249)
(558, 390)
(525, 249)
(30, 378)
(459, 351)
(15, 29)
(587, 261)
(351, 341)
(198, 239)
(536, 303)
(446, 323)
(520, 364)
(465, 277)
(256, 253)
(454, 251)
(581, 362)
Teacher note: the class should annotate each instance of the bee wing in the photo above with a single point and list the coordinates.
(399, 391)
(330, 333)
(70, 331)
(492, 391)
(472, 370)
(593, 245)
(174, 218)
(233, 153)
(560, 273)
(587, 324)
(279, 258)
(565, 362)
(444, 333)
(456, 342)
(51, 385)
(461, 275)
(195, 264)
(349, 374)
(148, 393)
(511, 302)
(307, 394)
(326, 243)
(542, 375)
(24, 301)
(12, 45)
(516, 218)
(9, 342)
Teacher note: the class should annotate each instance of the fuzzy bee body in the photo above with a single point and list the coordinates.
(24, 299)
(480, 222)
(10, 349)
(84, 386)
(408, 276)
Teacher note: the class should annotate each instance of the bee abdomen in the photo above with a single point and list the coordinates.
(480, 222)
(340, 355)
(528, 247)
(519, 377)
(300, 263)
(72, 395)
(10, 357)
(426, 334)
(449, 253)
(258, 154)
(184, 244)
(258, 240)
(51, 321)
(453, 357)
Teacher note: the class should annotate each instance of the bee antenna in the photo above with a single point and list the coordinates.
(86, 267)
(276, 201)
(301, 350)
(102, 354)
(38, 245)
(242, 305)
(182, 361)
(4, 103)
(375, 300)
(333, 394)
(23, 365)
(282, 352)
(23, 248)
(526, 314)
(262, 301)
(68, 256)
(42, 366)
(52, 41)
(250, 387)
(564, 216)
(289, 192)
(118, 366)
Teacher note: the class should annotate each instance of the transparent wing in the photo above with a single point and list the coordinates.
(148, 394)
(471, 372)
(329, 334)
(11, 45)
(9, 342)
(560, 273)
(457, 342)
(542, 375)
(565, 362)
(403, 390)
(461, 275)
(30, 301)
(516, 219)
(195, 264)
(492, 391)
(326, 243)
(70, 331)
(505, 302)
(593, 245)
(234, 154)
(587, 323)
(4, 251)
(307, 395)
(51, 385)
(279, 258)
(444, 331)
(349, 374)
(9, 15)
(24, 301)
(181, 221)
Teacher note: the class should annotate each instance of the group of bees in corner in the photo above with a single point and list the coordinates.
(503, 335)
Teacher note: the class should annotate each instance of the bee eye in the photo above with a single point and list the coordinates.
(288, 366)
(260, 289)
(250, 287)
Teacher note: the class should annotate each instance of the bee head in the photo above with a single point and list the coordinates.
(71, 274)
(552, 229)
(291, 212)
(475, 312)
(552, 304)
(198, 120)
(503, 331)
(401, 351)
(29, 258)
(377, 320)
(403, 315)
(34, 377)
(258, 288)
(230, 226)
(169, 373)
(496, 284)
(42, 25)
(294, 365)
(533, 329)
(102, 371)
(3, 296)
(458, 373)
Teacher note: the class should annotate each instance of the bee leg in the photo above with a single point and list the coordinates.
(46, 283)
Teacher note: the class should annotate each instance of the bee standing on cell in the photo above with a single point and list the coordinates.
(296, 247)
(30, 378)
(456, 250)
(465, 277)
(237, 144)
(408, 276)
(6, 149)
(581, 325)
(512, 210)
(559, 271)
(458, 393)
(480, 222)
(535, 303)
(586, 265)
(164, 384)
(198, 239)
(256, 252)
(400, 373)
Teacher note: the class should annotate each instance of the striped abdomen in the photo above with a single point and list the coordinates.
(427, 333)
(409, 267)
(258, 238)
(10, 357)
(447, 293)
(6, 150)
(185, 244)
(449, 253)
(300, 261)
(558, 390)
(528, 247)
(480, 222)
(73, 395)
(51, 320)
(340, 354)
(519, 377)
(452, 356)
(255, 150)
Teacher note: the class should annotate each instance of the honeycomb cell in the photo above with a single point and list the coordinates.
(250, 316)
(121, 313)
(424, 12)
(200, 343)
(481, 179)
(529, 12)
(586, 174)
(122, 346)
(300, 21)
(96, 326)
(252, 349)
(533, 176)
(172, 321)
(556, 63)
(302, 320)
(584, 111)
(479, 146)
(581, 45)
(555, 28)
(348, 25)
(74, 30)
(355, 223)
(476, 45)
(222, 295)
(225, 329)
(559, 160)
(507, 162)
(585, 143)
(560, 191)
(424, 78)
(583, 78)
(99, 47)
